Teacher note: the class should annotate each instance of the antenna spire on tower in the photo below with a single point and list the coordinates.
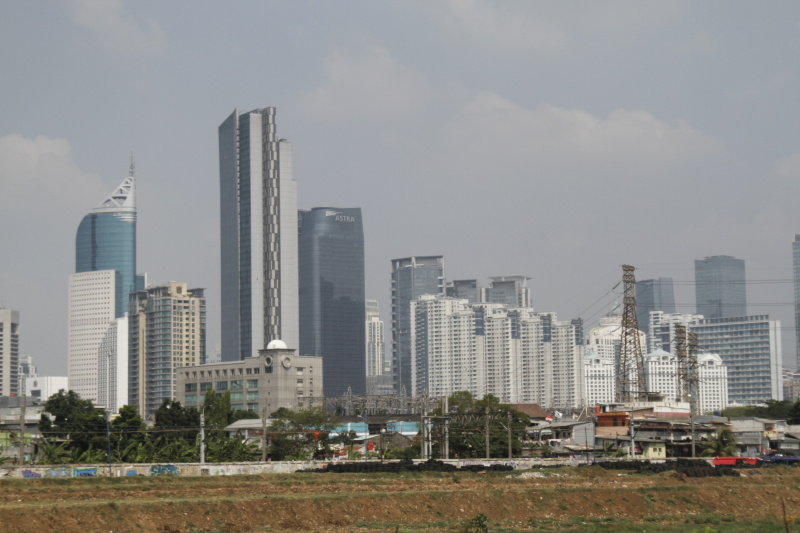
(132, 168)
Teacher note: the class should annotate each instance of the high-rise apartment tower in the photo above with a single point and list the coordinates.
(9, 352)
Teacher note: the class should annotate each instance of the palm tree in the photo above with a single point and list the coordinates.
(721, 445)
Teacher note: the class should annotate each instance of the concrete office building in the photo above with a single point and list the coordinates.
(166, 331)
(112, 366)
(720, 290)
(411, 278)
(258, 233)
(275, 378)
(9, 352)
(750, 348)
(332, 308)
(653, 295)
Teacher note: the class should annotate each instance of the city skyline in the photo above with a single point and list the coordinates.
(427, 134)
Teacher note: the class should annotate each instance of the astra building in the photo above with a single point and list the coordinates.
(258, 230)
(332, 304)
(720, 290)
(653, 295)
(9, 352)
(105, 274)
(166, 331)
(411, 278)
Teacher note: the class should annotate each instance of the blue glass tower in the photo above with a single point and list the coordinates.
(720, 289)
(653, 295)
(332, 306)
(106, 240)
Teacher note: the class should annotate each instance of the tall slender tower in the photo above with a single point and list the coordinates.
(105, 274)
(258, 230)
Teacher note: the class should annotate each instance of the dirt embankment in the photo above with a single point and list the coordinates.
(564, 497)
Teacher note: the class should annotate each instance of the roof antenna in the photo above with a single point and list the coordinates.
(131, 169)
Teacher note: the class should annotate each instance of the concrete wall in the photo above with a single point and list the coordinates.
(233, 469)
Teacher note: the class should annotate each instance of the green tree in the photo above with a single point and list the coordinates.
(723, 444)
(175, 422)
(75, 420)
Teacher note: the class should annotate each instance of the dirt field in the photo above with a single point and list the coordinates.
(556, 499)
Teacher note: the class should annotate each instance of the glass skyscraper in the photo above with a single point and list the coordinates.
(332, 305)
(411, 278)
(258, 234)
(106, 240)
(653, 295)
(720, 287)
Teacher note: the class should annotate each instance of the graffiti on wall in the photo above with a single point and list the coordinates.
(130, 473)
(164, 470)
(57, 472)
(84, 472)
(31, 473)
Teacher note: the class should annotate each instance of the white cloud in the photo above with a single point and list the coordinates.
(114, 30)
(370, 84)
(42, 171)
(569, 135)
(495, 23)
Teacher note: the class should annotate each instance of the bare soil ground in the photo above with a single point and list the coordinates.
(562, 499)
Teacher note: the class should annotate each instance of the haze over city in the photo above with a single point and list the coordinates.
(557, 141)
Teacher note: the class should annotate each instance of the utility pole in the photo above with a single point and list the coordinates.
(487, 431)
(633, 445)
(264, 433)
(108, 440)
(509, 435)
(22, 432)
(691, 416)
(446, 443)
(202, 437)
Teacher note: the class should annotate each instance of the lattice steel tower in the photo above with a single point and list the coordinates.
(630, 377)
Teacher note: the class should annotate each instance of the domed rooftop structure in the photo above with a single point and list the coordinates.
(277, 344)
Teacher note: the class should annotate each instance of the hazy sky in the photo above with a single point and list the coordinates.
(554, 139)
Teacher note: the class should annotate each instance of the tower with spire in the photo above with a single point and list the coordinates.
(105, 275)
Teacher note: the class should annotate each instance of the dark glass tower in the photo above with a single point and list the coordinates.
(796, 269)
(332, 307)
(720, 287)
(106, 240)
(653, 295)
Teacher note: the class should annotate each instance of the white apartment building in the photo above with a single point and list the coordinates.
(375, 348)
(9, 352)
(661, 329)
(662, 377)
(112, 366)
(600, 375)
(515, 354)
(92, 302)
(604, 339)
